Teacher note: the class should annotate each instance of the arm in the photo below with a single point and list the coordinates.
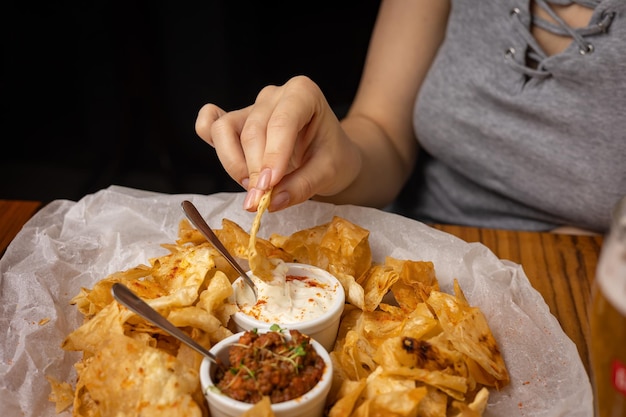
(291, 140)
(405, 40)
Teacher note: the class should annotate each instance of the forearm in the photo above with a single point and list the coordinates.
(383, 168)
(404, 43)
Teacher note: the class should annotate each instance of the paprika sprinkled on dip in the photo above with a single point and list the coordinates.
(303, 297)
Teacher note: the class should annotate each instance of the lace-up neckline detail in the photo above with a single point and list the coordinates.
(528, 60)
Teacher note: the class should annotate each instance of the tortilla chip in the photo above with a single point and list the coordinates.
(144, 381)
(260, 265)
(469, 333)
(62, 394)
(416, 279)
(377, 282)
(262, 408)
(348, 396)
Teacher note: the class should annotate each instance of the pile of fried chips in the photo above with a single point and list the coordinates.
(404, 348)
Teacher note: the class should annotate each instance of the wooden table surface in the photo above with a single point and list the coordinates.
(561, 267)
(13, 215)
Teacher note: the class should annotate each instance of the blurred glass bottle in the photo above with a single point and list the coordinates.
(608, 321)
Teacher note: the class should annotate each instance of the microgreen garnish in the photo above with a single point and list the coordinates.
(276, 328)
(291, 355)
(235, 370)
(214, 388)
(298, 351)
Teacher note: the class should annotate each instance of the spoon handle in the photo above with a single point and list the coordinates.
(130, 300)
(198, 221)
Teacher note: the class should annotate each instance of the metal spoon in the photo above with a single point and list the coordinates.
(198, 221)
(129, 299)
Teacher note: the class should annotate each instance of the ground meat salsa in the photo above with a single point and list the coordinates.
(270, 364)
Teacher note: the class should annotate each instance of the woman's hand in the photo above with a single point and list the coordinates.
(289, 140)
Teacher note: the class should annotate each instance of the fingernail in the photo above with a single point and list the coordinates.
(265, 177)
(245, 182)
(279, 201)
(252, 199)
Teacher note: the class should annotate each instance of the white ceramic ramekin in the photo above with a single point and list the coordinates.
(310, 404)
(322, 329)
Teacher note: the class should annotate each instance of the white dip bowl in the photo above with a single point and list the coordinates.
(317, 302)
(311, 404)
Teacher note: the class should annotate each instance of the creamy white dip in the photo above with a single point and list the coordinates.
(294, 295)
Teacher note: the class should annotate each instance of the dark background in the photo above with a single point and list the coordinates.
(100, 93)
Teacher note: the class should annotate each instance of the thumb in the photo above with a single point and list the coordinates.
(326, 175)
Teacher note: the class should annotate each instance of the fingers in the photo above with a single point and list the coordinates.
(275, 128)
(207, 115)
(240, 138)
(253, 139)
(222, 130)
(289, 129)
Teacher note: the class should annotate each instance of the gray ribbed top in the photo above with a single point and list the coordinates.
(514, 138)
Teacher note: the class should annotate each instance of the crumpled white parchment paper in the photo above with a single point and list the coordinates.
(68, 245)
